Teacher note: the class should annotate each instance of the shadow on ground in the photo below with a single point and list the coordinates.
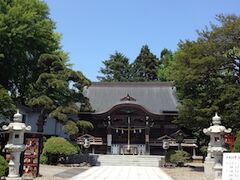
(69, 173)
(197, 169)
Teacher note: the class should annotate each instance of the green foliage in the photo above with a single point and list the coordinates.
(59, 146)
(145, 66)
(203, 150)
(179, 157)
(57, 90)
(7, 107)
(77, 128)
(85, 124)
(26, 31)
(168, 155)
(3, 166)
(116, 68)
(166, 62)
(56, 148)
(237, 143)
(43, 159)
(71, 128)
(206, 75)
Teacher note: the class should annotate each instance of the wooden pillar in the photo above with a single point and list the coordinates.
(128, 147)
(109, 136)
(147, 130)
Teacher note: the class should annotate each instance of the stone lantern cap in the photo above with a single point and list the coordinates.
(217, 127)
(216, 120)
(17, 124)
(17, 117)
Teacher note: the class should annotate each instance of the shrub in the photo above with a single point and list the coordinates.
(237, 143)
(3, 166)
(179, 157)
(168, 155)
(204, 150)
(43, 159)
(56, 148)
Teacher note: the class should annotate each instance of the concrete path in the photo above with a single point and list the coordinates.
(122, 173)
(59, 173)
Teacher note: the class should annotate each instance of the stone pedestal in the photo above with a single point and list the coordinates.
(208, 169)
(14, 163)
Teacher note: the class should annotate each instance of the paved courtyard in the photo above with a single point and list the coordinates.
(195, 171)
(122, 173)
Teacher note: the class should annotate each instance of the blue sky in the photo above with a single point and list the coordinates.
(94, 29)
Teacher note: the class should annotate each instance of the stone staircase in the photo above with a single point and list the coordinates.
(128, 160)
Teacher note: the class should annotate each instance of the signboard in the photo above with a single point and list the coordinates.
(231, 166)
(31, 155)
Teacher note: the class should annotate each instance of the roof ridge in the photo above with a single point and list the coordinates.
(120, 84)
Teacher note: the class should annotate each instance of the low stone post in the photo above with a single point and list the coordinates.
(15, 145)
(213, 161)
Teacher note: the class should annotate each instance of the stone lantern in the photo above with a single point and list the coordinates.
(15, 144)
(216, 147)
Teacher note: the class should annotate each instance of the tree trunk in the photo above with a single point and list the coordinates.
(41, 120)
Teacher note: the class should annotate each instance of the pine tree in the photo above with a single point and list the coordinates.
(165, 68)
(116, 68)
(57, 91)
(145, 67)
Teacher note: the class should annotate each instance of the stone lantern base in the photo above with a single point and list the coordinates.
(14, 178)
(208, 169)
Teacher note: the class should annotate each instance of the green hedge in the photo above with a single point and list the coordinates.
(3, 166)
(56, 148)
(43, 159)
(59, 145)
(179, 157)
(168, 155)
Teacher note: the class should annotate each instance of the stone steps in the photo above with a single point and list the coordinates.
(128, 160)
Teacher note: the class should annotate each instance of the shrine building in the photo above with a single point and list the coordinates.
(134, 118)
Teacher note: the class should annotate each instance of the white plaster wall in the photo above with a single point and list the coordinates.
(51, 127)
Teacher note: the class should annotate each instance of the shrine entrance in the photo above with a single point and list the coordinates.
(128, 136)
(128, 127)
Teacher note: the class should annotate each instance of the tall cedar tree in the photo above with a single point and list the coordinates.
(57, 91)
(116, 68)
(165, 68)
(26, 31)
(145, 67)
(206, 73)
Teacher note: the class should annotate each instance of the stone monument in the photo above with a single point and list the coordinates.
(15, 144)
(216, 147)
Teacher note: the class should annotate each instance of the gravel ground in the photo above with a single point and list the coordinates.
(185, 173)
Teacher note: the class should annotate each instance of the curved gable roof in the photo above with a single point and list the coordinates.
(156, 97)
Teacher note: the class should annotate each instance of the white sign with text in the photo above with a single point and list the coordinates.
(231, 166)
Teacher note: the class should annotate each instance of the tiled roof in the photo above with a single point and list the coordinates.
(156, 97)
